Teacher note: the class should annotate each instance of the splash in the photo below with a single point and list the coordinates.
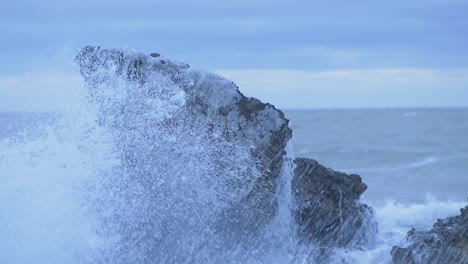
(158, 163)
(131, 174)
(44, 186)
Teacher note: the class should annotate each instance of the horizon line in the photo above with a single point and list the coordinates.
(298, 109)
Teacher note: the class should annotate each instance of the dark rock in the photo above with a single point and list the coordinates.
(217, 102)
(446, 242)
(155, 55)
(405, 255)
(329, 212)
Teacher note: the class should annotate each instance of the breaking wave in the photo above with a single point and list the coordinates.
(130, 175)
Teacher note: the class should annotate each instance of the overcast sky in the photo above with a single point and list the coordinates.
(294, 54)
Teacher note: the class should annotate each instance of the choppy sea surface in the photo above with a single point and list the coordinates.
(414, 161)
(406, 155)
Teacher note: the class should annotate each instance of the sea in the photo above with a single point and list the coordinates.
(414, 162)
(405, 155)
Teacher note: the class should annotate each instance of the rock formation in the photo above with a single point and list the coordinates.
(328, 212)
(212, 101)
(446, 242)
(328, 209)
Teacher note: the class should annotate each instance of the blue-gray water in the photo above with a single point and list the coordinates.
(401, 154)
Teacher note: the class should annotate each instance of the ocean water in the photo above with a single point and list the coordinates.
(414, 162)
(407, 155)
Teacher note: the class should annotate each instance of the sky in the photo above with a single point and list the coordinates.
(294, 54)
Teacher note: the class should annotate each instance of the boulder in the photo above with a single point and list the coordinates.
(328, 210)
(446, 242)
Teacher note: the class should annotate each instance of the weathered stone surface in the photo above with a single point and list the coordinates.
(403, 255)
(328, 211)
(215, 102)
(446, 242)
(328, 208)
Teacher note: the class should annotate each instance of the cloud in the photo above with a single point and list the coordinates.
(388, 87)
(246, 34)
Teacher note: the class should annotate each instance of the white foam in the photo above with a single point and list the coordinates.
(395, 219)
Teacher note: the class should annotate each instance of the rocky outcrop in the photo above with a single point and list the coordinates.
(211, 103)
(446, 242)
(328, 209)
